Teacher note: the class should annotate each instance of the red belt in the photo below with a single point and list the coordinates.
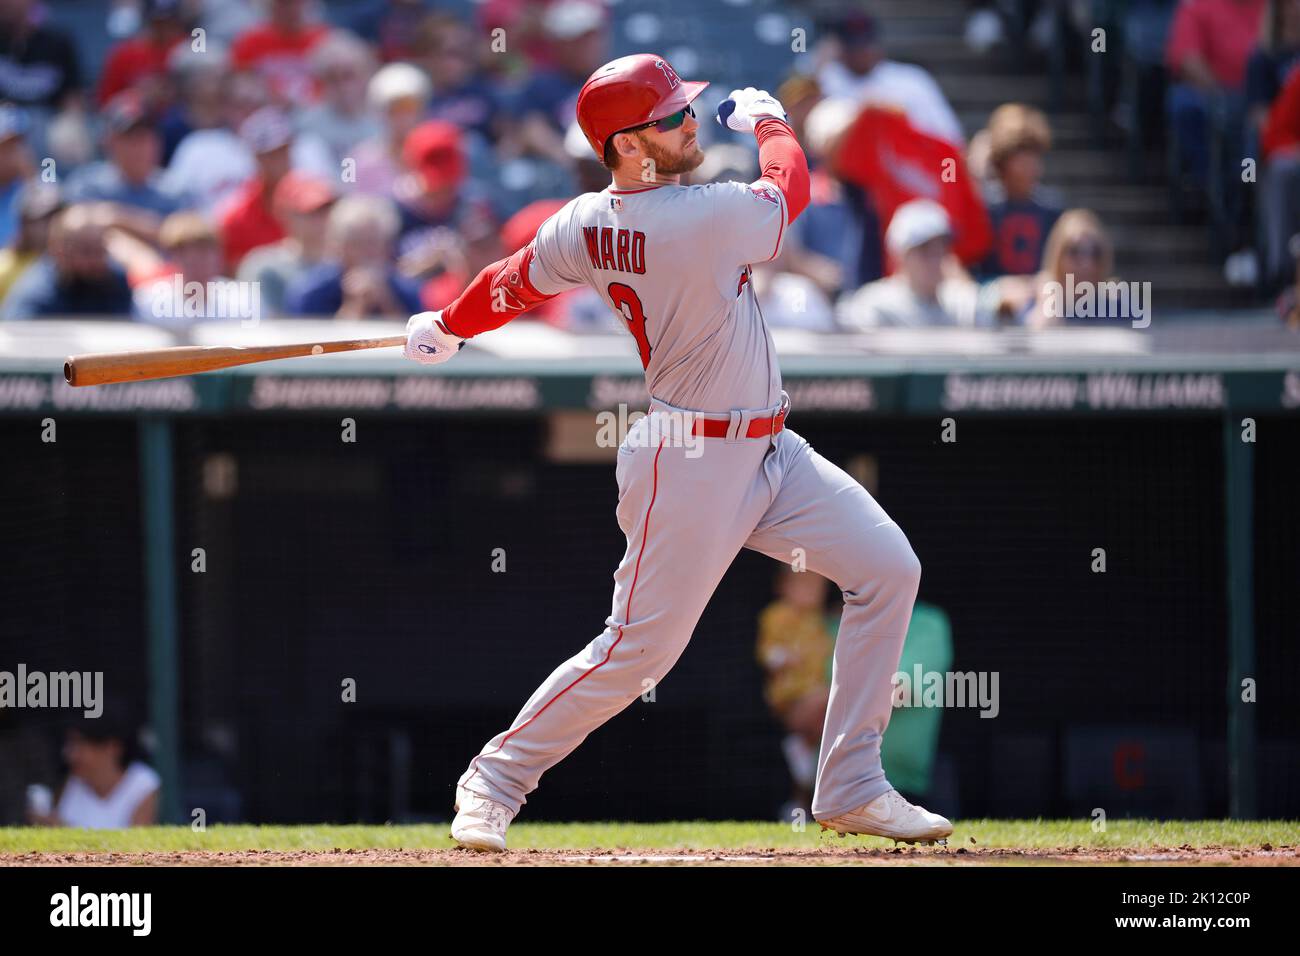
(758, 427)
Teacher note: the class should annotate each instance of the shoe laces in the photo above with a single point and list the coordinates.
(899, 801)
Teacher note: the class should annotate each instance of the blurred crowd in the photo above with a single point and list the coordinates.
(369, 163)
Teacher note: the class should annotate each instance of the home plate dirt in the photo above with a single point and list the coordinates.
(825, 856)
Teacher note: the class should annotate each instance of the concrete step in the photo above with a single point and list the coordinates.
(1066, 166)
(984, 91)
(1069, 130)
(947, 55)
(1159, 244)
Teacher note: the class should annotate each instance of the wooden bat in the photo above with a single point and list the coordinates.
(103, 368)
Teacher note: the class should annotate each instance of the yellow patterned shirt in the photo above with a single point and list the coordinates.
(795, 648)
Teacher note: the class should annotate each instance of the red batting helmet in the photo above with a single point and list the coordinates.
(630, 91)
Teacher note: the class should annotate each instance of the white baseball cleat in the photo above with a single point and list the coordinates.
(480, 822)
(889, 815)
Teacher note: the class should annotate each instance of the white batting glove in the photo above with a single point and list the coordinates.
(428, 341)
(743, 109)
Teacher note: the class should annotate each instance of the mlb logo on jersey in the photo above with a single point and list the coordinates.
(615, 204)
(765, 192)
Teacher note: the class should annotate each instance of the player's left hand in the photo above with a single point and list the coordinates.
(428, 341)
(743, 109)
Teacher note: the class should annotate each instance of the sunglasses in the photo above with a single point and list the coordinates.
(669, 122)
(1084, 250)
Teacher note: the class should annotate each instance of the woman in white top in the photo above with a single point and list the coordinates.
(105, 789)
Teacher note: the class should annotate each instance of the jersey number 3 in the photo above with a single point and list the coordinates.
(626, 300)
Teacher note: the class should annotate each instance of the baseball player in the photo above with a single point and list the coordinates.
(712, 468)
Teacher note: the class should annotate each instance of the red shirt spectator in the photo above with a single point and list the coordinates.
(277, 51)
(145, 54)
(1282, 125)
(247, 222)
(248, 219)
(1221, 33)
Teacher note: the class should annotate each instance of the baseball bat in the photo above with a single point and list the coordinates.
(104, 368)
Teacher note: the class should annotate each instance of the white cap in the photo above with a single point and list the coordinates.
(266, 129)
(575, 143)
(827, 120)
(572, 18)
(916, 222)
(397, 81)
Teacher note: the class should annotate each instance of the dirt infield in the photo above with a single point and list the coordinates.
(1265, 855)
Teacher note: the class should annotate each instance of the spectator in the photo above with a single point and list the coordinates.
(1021, 211)
(840, 222)
(1079, 253)
(130, 175)
(927, 289)
(399, 94)
(215, 163)
(277, 51)
(531, 46)
(15, 168)
(142, 59)
(1279, 135)
(447, 50)
(984, 29)
(41, 74)
(213, 160)
(107, 788)
(1271, 63)
(226, 20)
(892, 161)
(859, 71)
(199, 80)
(548, 101)
(38, 61)
(76, 277)
(247, 220)
(796, 643)
(435, 193)
(37, 204)
(359, 282)
(342, 66)
(302, 204)
(191, 252)
(1209, 44)
(391, 26)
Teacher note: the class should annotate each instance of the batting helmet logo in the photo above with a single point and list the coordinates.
(674, 80)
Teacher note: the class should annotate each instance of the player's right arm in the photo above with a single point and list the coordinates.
(508, 287)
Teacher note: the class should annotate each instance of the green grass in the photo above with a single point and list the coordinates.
(1020, 834)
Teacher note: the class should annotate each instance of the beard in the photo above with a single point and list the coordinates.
(671, 163)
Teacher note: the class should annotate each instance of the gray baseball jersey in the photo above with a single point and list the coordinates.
(673, 261)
